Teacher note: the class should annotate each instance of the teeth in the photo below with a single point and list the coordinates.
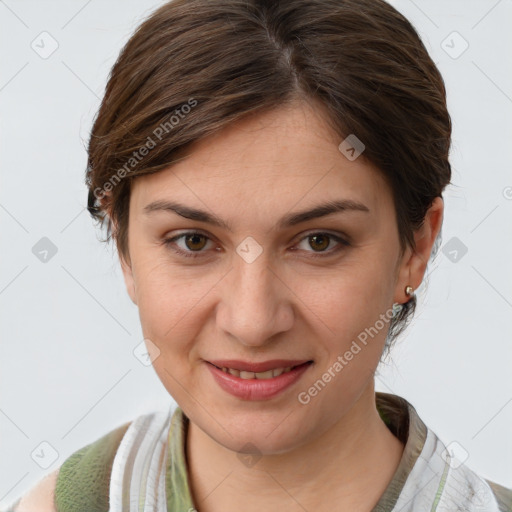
(278, 371)
(265, 375)
(269, 374)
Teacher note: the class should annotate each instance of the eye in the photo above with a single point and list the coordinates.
(320, 241)
(195, 241)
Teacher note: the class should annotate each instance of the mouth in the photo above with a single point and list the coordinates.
(257, 381)
(264, 370)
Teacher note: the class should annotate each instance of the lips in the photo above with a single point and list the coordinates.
(248, 386)
(264, 366)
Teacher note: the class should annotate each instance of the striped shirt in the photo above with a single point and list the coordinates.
(141, 467)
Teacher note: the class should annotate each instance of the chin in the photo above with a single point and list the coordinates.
(258, 444)
(244, 434)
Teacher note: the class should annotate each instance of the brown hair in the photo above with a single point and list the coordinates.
(194, 66)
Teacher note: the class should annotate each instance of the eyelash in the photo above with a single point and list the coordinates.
(169, 242)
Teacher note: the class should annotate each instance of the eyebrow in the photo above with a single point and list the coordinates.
(291, 219)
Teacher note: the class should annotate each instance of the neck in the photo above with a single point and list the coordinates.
(363, 463)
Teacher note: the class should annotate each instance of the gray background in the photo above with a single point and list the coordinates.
(68, 329)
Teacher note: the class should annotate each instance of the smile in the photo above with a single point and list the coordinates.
(269, 374)
(256, 381)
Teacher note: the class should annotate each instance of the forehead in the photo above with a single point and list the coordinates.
(265, 162)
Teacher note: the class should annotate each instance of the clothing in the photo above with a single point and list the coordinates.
(141, 466)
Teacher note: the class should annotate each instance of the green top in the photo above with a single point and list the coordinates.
(84, 477)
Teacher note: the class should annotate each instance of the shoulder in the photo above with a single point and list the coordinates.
(84, 477)
(502, 494)
(81, 482)
(40, 497)
(479, 493)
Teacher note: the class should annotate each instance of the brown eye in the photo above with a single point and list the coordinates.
(319, 242)
(195, 241)
(323, 244)
(189, 244)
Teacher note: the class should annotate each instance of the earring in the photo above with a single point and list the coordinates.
(409, 291)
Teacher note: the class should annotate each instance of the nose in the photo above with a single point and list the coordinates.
(255, 304)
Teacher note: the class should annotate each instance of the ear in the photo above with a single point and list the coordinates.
(128, 279)
(126, 267)
(414, 262)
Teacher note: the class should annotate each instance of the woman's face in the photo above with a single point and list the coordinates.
(258, 286)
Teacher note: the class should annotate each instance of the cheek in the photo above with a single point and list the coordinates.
(350, 296)
(172, 306)
(170, 311)
(352, 312)
(165, 293)
(161, 298)
(352, 348)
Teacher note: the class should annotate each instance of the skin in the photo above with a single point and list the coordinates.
(41, 496)
(285, 304)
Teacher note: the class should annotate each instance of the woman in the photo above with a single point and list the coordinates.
(272, 174)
